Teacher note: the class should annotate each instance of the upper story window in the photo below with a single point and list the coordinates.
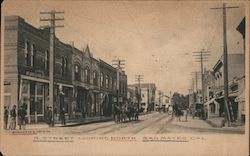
(77, 72)
(46, 60)
(102, 80)
(33, 55)
(87, 75)
(111, 82)
(114, 84)
(64, 66)
(95, 78)
(27, 53)
(107, 81)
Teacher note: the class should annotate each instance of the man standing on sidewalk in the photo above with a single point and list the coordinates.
(49, 116)
(6, 116)
(63, 116)
(13, 118)
(21, 114)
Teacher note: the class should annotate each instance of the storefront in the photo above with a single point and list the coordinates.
(34, 97)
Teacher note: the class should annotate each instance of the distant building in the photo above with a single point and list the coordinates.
(147, 95)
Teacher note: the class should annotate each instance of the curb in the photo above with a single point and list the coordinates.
(84, 123)
(213, 124)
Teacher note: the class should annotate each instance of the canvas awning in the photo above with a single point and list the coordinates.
(211, 101)
(241, 97)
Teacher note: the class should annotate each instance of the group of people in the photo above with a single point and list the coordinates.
(10, 117)
(178, 112)
(121, 114)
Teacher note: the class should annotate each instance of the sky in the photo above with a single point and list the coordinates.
(155, 38)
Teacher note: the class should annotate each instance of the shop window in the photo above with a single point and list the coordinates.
(40, 98)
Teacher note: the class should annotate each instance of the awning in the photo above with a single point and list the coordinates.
(229, 95)
(213, 100)
(241, 97)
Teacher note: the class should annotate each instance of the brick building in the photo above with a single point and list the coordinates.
(88, 85)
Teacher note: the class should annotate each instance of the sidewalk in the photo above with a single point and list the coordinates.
(69, 123)
(217, 122)
(72, 123)
(212, 125)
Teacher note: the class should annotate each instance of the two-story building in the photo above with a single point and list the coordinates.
(83, 86)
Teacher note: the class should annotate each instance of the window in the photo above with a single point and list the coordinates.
(27, 53)
(102, 80)
(77, 73)
(40, 98)
(46, 60)
(107, 81)
(33, 55)
(62, 67)
(111, 82)
(114, 84)
(95, 78)
(87, 75)
(65, 67)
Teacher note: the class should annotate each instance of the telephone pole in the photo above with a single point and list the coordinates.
(225, 64)
(119, 67)
(195, 77)
(52, 25)
(202, 56)
(139, 79)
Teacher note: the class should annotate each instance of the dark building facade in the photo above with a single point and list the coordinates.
(83, 85)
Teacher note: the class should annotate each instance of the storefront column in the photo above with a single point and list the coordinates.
(28, 103)
(35, 102)
(239, 111)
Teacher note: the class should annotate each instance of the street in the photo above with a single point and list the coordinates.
(153, 123)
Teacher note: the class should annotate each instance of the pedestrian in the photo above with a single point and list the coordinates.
(136, 114)
(49, 116)
(6, 116)
(186, 114)
(63, 116)
(13, 118)
(21, 115)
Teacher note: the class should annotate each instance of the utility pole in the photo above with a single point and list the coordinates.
(225, 65)
(119, 67)
(195, 77)
(201, 56)
(52, 25)
(139, 79)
